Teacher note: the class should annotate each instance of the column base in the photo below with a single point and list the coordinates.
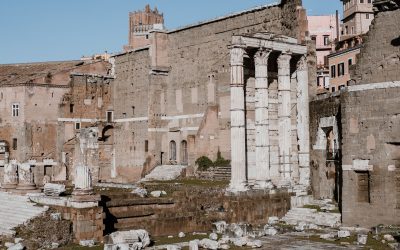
(26, 187)
(238, 187)
(86, 198)
(9, 186)
(264, 184)
(82, 192)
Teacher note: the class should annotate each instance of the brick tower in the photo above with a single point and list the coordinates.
(140, 24)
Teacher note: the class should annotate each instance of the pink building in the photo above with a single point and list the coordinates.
(324, 30)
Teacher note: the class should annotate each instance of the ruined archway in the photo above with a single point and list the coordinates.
(172, 152)
(184, 152)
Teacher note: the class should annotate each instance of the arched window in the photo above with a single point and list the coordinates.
(172, 151)
(184, 153)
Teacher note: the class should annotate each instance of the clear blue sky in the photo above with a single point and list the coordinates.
(49, 30)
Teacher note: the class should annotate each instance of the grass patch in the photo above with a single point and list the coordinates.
(78, 247)
(318, 208)
(164, 240)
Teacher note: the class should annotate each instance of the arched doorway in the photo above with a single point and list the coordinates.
(184, 153)
(172, 152)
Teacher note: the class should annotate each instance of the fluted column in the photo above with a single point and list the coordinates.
(303, 120)
(284, 110)
(238, 130)
(263, 178)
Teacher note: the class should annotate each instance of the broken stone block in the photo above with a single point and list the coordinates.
(343, 234)
(181, 235)
(173, 247)
(301, 226)
(55, 216)
(87, 243)
(394, 245)
(273, 220)
(236, 230)
(130, 237)
(388, 237)
(239, 242)
(224, 246)
(18, 246)
(254, 244)
(9, 244)
(18, 240)
(140, 191)
(224, 240)
(52, 189)
(220, 227)
(54, 245)
(157, 194)
(194, 245)
(213, 236)
(270, 231)
(362, 239)
(327, 236)
(209, 244)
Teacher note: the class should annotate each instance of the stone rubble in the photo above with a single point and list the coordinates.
(388, 237)
(194, 245)
(158, 194)
(213, 236)
(140, 192)
(209, 244)
(87, 243)
(55, 216)
(312, 216)
(220, 227)
(18, 246)
(343, 234)
(362, 239)
(136, 239)
(269, 230)
(165, 173)
(181, 235)
(273, 220)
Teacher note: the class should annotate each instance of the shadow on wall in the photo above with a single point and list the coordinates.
(395, 42)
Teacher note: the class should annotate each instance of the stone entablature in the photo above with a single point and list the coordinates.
(261, 173)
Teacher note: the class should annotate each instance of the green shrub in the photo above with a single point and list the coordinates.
(204, 163)
(221, 161)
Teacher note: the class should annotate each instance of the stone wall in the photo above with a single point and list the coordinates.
(379, 60)
(371, 135)
(131, 93)
(325, 174)
(191, 209)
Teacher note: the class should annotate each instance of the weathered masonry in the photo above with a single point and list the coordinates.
(172, 98)
(270, 119)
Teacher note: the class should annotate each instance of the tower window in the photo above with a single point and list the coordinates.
(15, 110)
(77, 125)
(15, 144)
(110, 117)
(71, 108)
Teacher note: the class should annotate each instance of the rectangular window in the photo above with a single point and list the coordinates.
(367, 16)
(369, 1)
(326, 40)
(77, 125)
(146, 146)
(352, 30)
(15, 110)
(110, 116)
(350, 61)
(363, 186)
(133, 110)
(71, 108)
(314, 38)
(340, 69)
(361, 1)
(333, 89)
(15, 144)
(333, 71)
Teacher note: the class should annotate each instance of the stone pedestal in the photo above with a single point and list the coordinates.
(26, 179)
(83, 181)
(10, 177)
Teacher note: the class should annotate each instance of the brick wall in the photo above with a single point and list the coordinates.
(379, 60)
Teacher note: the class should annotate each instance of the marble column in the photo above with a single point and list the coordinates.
(238, 130)
(83, 181)
(10, 176)
(303, 118)
(263, 178)
(284, 111)
(25, 177)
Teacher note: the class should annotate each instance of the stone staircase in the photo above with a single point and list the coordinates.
(324, 214)
(217, 173)
(16, 210)
(165, 173)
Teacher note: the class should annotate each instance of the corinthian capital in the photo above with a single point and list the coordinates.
(261, 57)
(237, 54)
(302, 63)
(284, 60)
